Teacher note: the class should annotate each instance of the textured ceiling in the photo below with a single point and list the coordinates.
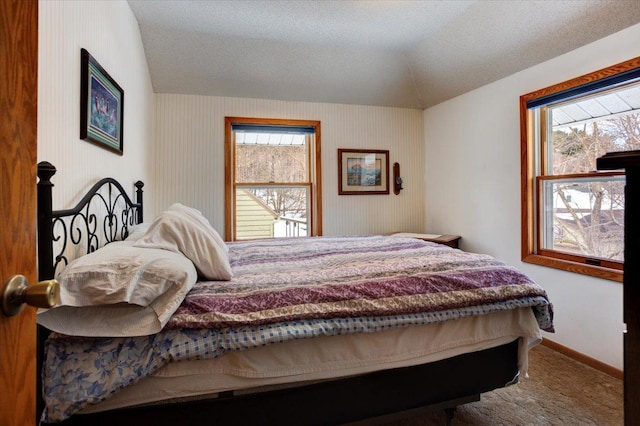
(411, 54)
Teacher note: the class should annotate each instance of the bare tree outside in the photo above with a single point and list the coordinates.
(278, 175)
(588, 216)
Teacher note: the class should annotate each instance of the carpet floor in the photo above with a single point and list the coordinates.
(559, 391)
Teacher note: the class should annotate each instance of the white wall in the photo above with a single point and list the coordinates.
(467, 185)
(109, 31)
(189, 159)
(472, 188)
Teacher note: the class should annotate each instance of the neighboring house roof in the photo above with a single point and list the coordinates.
(248, 196)
(582, 201)
(609, 220)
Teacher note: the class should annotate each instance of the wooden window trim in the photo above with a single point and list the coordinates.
(315, 168)
(580, 175)
(530, 251)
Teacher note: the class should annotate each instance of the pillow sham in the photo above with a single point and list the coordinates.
(120, 290)
(122, 273)
(185, 230)
(118, 320)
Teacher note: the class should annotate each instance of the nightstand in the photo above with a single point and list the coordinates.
(447, 240)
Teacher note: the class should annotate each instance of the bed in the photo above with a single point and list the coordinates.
(325, 330)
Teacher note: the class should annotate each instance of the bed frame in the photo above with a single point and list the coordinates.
(371, 398)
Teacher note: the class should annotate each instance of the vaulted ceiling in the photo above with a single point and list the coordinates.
(396, 53)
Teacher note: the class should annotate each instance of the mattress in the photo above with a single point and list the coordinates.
(328, 357)
(283, 295)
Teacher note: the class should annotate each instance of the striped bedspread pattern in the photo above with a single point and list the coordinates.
(319, 278)
(291, 289)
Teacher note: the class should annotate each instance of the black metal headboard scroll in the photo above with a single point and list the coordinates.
(102, 216)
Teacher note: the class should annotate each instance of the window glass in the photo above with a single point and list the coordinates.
(271, 157)
(584, 215)
(586, 129)
(272, 212)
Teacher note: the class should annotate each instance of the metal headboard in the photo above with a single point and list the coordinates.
(102, 216)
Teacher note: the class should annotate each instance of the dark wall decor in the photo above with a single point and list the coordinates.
(101, 105)
(397, 179)
(362, 172)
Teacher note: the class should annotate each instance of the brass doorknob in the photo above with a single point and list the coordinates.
(17, 292)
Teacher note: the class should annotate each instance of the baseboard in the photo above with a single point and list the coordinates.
(587, 360)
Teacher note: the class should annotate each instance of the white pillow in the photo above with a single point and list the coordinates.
(196, 215)
(119, 320)
(122, 273)
(184, 230)
(120, 290)
(137, 231)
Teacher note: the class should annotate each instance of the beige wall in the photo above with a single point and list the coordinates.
(190, 158)
(459, 178)
(109, 31)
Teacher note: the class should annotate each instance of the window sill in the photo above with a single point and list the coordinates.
(578, 268)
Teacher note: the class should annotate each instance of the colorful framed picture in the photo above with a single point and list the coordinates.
(362, 172)
(101, 105)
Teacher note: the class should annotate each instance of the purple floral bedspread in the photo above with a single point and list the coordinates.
(319, 278)
(288, 289)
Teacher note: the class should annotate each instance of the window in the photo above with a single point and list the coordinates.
(272, 178)
(573, 215)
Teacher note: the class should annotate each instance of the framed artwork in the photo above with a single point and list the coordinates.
(362, 172)
(101, 105)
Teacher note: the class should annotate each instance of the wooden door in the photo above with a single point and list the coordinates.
(18, 118)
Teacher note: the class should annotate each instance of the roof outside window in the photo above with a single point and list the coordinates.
(625, 101)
